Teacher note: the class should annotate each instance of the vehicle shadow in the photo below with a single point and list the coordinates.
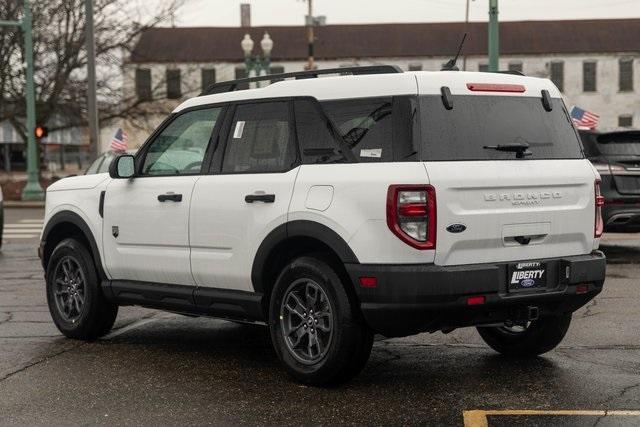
(244, 351)
(617, 254)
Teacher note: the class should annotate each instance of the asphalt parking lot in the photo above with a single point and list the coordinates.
(162, 368)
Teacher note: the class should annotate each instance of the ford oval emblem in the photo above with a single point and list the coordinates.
(456, 228)
(527, 283)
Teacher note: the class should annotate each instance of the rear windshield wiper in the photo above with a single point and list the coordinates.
(520, 148)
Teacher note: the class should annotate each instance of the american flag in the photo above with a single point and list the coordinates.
(120, 141)
(583, 118)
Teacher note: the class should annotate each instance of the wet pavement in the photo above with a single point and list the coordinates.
(162, 368)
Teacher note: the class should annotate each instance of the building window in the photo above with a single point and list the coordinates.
(208, 77)
(143, 84)
(625, 121)
(515, 66)
(241, 73)
(626, 75)
(415, 67)
(589, 76)
(173, 84)
(483, 68)
(556, 73)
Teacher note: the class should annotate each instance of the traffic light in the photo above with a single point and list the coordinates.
(41, 131)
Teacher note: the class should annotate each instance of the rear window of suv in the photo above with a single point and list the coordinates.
(478, 121)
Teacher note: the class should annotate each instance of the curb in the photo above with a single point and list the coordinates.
(23, 205)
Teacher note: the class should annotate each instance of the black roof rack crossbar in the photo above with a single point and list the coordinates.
(241, 84)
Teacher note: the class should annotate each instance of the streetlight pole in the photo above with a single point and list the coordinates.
(494, 37)
(466, 29)
(92, 104)
(32, 190)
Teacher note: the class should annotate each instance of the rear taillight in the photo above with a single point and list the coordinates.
(411, 214)
(599, 199)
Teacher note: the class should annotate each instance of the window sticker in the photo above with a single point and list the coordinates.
(237, 133)
(371, 152)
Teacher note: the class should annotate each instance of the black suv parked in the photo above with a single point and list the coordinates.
(616, 155)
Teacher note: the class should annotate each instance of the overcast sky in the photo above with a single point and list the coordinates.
(291, 12)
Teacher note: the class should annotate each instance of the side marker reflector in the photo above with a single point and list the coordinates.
(582, 289)
(479, 300)
(368, 282)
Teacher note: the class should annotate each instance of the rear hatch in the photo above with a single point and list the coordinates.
(519, 204)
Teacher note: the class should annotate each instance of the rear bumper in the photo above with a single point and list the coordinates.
(416, 298)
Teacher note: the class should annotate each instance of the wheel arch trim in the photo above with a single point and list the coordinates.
(70, 217)
(298, 228)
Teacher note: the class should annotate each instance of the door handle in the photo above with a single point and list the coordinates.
(266, 198)
(170, 196)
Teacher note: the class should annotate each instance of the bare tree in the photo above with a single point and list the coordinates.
(60, 57)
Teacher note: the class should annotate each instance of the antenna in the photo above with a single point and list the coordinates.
(451, 65)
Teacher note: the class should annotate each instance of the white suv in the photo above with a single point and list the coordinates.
(330, 208)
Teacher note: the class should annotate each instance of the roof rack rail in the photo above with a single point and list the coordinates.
(514, 72)
(240, 84)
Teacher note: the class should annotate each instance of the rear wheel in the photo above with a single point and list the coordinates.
(529, 338)
(316, 329)
(76, 303)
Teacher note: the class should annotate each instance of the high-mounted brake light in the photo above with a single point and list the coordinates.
(495, 87)
(599, 202)
(411, 214)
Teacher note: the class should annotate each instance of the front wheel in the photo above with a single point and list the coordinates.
(529, 338)
(316, 328)
(76, 303)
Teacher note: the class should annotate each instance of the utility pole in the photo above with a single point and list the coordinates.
(310, 36)
(32, 190)
(92, 105)
(494, 36)
(466, 29)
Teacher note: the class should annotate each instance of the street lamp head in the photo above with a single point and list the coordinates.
(266, 44)
(247, 45)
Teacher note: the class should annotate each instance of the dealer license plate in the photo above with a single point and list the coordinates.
(527, 275)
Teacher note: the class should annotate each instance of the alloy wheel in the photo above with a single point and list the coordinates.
(306, 319)
(69, 289)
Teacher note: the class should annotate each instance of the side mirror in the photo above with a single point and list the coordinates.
(123, 167)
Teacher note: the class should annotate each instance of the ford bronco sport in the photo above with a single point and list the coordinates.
(331, 208)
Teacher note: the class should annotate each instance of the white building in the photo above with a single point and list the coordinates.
(593, 62)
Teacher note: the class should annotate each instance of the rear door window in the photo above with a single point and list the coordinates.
(475, 122)
(260, 139)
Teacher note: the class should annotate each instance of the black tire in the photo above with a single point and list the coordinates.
(350, 341)
(95, 316)
(540, 336)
